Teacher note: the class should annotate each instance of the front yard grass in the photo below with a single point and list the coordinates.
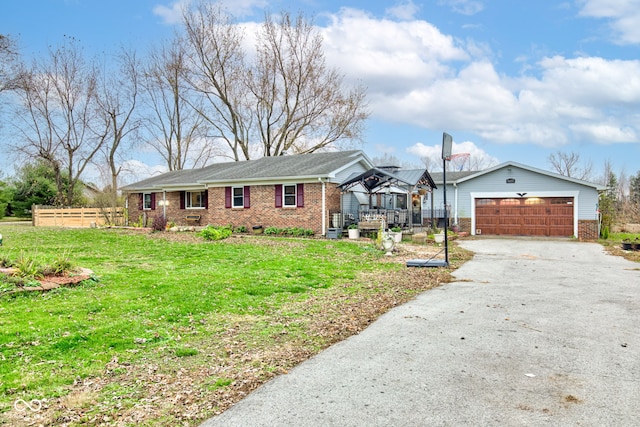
(614, 245)
(177, 328)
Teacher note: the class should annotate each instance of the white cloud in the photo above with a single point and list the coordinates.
(389, 56)
(606, 133)
(417, 75)
(477, 158)
(404, 11)
(623, 17)
(464, 7)
(171, 14)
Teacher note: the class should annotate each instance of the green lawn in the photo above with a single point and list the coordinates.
(173, 315)
(614, 245)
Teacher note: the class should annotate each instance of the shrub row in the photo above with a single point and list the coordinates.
(289, 231)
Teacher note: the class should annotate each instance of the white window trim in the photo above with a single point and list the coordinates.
(233, 199)
(186, 200)
(295, 196)
(144, 201)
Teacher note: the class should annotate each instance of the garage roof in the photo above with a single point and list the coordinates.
(459, 177)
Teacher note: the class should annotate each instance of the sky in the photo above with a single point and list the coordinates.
(509, 80)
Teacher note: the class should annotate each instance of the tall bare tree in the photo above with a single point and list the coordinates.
(116, 100)
(8, 63)
(176, 129)
(301, 104)
(218, 74)
(285, 99)
(569, 164)
(57, 111)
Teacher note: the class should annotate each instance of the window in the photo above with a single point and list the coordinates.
(562, 201)
(535, 201)
(194, 199)
(147, 201)
(485, 202)
(289, 195)
(238, 197)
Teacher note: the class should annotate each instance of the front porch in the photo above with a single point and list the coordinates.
(402, 218)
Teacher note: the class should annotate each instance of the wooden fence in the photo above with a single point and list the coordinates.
(47, 216)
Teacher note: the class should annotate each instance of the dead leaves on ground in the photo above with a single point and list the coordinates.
(185, 391)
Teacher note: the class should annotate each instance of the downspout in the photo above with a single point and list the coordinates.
(164, 204)
(126, 210)
(455, 204)
(410, 206)
(324, 207)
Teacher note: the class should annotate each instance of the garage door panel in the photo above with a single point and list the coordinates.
(532, 217)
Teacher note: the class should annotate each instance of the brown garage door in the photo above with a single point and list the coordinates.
(533, 216)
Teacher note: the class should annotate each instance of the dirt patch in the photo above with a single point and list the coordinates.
(50, 282)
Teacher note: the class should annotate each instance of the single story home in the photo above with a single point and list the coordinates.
(284, 191)
(515, 199)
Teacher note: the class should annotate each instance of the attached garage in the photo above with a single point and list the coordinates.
(533, 216)
(512, 199)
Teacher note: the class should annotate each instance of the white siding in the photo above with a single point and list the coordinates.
(494, 184)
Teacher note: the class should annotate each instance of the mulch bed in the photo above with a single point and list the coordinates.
(50, 282)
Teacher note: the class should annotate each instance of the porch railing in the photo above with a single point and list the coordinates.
(393, 217)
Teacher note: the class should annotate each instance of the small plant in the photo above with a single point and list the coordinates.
(211, 232)
(605, 233)
(61, 265)
(27, 266)
(353, 226)
(396, 229)
(186, 351)
(159, 223)
(240, 229)
(289, 231)
(272, 230)
(5, 261)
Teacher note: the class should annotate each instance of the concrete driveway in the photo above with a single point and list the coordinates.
(532, 333)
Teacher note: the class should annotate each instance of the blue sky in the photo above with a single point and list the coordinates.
(510, 80)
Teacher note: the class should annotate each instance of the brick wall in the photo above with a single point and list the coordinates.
(587, 229)
(465, 224)
(262, 211)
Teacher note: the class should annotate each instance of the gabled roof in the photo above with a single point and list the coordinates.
(452, 176)
(463, 176)
(375, 178)
(531, 169)
(302, 166)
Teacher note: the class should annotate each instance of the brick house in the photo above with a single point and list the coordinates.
(284, 191)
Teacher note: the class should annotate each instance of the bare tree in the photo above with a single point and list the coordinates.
(57, 111)
(116, 101)
(8, 63)
(568, 164)
(218, 73)
(301, 104)
(176, 128)
(459, 162)
(288, 99)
